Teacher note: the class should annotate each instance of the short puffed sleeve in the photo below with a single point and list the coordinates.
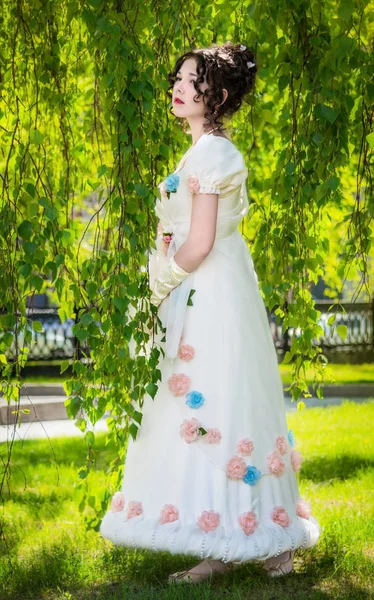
(215, 167)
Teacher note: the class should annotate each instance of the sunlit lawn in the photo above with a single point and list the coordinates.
(340, 373)
(53, 556)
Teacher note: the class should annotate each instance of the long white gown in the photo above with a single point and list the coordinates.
(213, 471)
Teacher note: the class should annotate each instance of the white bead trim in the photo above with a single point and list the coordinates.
(153, 538)
(202, 546)
(224, 558)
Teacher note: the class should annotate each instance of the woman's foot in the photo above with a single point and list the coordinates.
(276, 566)
(207, 569)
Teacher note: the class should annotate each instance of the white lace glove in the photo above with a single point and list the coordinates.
(169, 277)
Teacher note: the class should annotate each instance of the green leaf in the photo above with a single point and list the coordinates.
(51, 213)
(333, 183)
(342, 331)
(120, 304)
(90, 438)
(269, 116)
(86, 319)
(52, 267)
(25, 269)
(141, 190)
(25, 230)
(133, 429)
(36, 137)
(79, 332)
(136, 88)
(290, 168)
(370, 139)
(37, 282)
(82, 473)
(64, 365)
(137, 416)
(328, 113)
(67, 237)
(126, 109)
(37, 326)
(60, 260)
(81, 424)
(151, 389)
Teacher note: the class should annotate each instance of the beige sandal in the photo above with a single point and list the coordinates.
(207, 569)
(276, 566)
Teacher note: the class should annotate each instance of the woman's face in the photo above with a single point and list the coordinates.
(185, 91)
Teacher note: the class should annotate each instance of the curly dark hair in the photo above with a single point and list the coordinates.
(224, 67)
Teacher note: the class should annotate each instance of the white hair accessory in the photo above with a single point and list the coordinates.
(250, 64)
(242, 48)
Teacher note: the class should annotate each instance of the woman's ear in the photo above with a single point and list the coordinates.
(225, 94)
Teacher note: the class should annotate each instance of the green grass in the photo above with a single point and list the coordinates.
(336, 373)
(53, 557)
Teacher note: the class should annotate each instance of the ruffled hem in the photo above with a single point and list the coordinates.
(209, 189)
(175, 538)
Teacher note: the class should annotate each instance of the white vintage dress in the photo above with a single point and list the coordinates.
(213, 470)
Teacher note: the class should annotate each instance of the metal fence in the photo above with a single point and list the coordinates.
(57, 340)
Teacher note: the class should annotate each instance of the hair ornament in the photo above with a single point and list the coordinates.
(250, 64)
(242, 48)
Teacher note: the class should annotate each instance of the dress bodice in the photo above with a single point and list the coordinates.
(218, 167)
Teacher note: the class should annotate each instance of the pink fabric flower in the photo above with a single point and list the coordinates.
(236, 468)
(179, 384)
(248, 522)
(304, 509)
(245, 447)
(118, 502)
(186, 352)
(208, 520)
(163, 190)
(275, 464)
(169, 514)
(167, 238)
(135, 509)
(281, 444)
(212, 436)
(280, 516)
(189, 430)
(296, 459)
(193, 184)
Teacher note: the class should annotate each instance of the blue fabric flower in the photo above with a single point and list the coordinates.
(252, 476)
(195, 399)
(172, 182)
(291, 438)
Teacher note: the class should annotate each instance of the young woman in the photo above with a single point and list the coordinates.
(212, 472)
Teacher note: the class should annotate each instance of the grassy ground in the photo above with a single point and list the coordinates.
(53, 557)
(340, 373)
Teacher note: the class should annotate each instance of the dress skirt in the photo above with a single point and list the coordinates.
(214, 469)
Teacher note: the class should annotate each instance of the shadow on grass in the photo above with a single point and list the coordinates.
(149, 580)
(144, 576)
(343, 467)
(63, 451)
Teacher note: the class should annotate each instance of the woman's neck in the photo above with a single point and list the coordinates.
(196, 135)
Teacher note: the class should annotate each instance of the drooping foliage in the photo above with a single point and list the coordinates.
(87, 133)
